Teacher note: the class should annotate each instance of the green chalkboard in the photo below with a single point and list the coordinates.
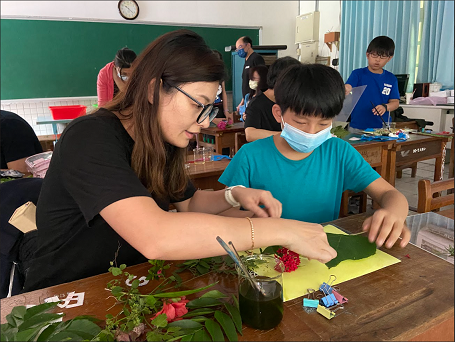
(46, 58)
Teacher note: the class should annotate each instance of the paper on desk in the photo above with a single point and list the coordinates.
(311, 274)
(349, 103)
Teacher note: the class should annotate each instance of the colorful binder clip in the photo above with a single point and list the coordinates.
(328, 300)
(310, 304)
(325, 312)
(341, 299)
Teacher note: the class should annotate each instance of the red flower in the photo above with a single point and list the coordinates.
(290, 259)
(173, 311)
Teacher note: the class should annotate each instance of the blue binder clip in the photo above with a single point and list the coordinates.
(328, 300)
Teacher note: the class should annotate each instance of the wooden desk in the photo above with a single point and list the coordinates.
(374, 152)
(417, 148)
(205, 176)
(411, 300)
(223, 137)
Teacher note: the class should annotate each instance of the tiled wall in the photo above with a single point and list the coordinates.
(32, 109)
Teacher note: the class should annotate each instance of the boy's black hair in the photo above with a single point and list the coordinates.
(310, 90)
(247, 40)
(124, 58)
(382, 45)
(277, 68)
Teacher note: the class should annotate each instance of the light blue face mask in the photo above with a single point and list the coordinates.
(304, 142)
(241, 53)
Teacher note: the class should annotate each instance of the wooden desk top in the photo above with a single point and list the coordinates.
(401, 302)
(236, 127)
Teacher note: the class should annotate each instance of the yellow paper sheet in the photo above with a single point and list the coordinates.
(311, 274)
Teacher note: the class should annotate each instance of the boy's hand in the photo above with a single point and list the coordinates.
(347, 88)
(385, 225)
(378, 110)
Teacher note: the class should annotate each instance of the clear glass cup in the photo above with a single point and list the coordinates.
(198, 155)
(208, 154)
(261, 309)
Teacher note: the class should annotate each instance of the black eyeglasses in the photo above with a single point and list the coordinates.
(207, 110)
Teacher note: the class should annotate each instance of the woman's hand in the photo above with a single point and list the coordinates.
(309, 240)
(385, 225)
(347, 89)
(252, 200)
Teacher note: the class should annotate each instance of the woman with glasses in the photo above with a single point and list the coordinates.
(112, 78)
(114, 173)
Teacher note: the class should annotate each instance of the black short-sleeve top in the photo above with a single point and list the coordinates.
(89, 170)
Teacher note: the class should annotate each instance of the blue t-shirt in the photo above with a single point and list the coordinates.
(310, 189)
(380, 89)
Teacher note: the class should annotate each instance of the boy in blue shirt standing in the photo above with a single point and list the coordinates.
(305, 168)
(382, 87)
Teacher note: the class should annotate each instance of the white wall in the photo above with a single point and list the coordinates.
(330, 12)
(277, 18)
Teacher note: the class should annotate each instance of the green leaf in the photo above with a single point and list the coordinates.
(201, 335)
(349, 247)
(198, 312)
(271, 250)
(202, 270)
(182, 293)
(46, 333)
(19, 312)
(199, 319)
(29, 334)
(126, 312)
(187, 338)
(135, 283)
(4, 337)
(150, 300)
(204, 264)
(213, 294)
(236, 302)
(38, 320)
(185, 324)
(235, 314)
(116, 290)
(227, 324)
(214, 330)
(153, 336)
(65, 336)
(84, 328)
(160, 321)
(122, 266)
(116, 271)
(201, 302)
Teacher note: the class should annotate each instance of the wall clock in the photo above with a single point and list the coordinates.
(129, 9)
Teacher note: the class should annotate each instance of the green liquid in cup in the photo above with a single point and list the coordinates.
(259, 311)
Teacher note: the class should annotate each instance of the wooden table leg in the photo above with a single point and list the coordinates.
(219, 144)
(391, 167)
(439, 163)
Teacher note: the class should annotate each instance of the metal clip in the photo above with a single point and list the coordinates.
(325, 312)
(310, 304)
(327, 287)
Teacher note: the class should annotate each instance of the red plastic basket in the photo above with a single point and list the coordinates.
(67, 112)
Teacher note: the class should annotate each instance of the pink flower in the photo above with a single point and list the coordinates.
(222, 124)
(173, 311)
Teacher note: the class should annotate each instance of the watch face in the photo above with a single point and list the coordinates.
(128, 9)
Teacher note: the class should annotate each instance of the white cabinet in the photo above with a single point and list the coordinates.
(440, 115)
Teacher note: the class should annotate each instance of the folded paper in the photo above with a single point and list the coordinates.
(24, 218)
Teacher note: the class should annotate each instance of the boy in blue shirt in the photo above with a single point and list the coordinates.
(382, 87)
(305, 168)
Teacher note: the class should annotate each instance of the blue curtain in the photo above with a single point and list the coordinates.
(361, 21)
(436, 61)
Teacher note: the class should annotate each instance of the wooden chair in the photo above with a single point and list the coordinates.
(428, 195)
(344, 208)
(240, 140)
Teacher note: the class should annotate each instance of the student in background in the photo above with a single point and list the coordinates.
(260, 122)
(257, 84)
(18, 141)
(382, 87)
(221, 100)
(245, 50)
(112, 78)
(114, 173)
(306, 169)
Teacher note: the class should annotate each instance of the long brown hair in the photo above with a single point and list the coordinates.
(172, 59)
